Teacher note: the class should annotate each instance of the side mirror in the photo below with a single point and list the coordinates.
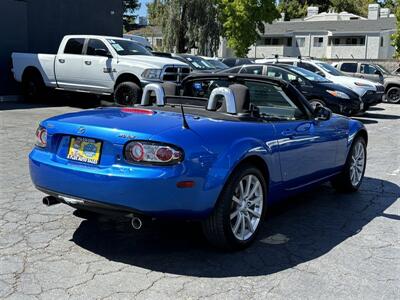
(377, 72)
(320, 73)
(102, 52)
(322, 113)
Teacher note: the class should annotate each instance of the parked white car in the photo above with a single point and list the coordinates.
(370, 92)
(96, 64)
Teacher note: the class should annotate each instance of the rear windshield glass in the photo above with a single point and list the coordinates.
(199, 63)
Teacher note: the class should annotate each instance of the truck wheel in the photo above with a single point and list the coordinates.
(127, 94)
(237, 216)
(33, 88)
(393, 95)
(349, 180)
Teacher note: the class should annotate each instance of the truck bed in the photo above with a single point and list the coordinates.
(43, 62)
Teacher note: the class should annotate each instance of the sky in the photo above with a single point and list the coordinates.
(143, 8)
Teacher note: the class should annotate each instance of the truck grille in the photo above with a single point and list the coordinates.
(175, 74)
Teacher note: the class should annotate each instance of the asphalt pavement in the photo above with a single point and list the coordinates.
(319, 245)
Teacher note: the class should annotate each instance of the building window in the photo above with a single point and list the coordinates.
(158, 43)
(381, 41)
(274, 41)
(318, 41)
(300, 42)
(289, 42)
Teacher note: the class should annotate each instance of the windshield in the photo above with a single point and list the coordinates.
(383, 70)
(308, 74)
(199, 63)
(124, 47)
(217, 64)
(330, 69)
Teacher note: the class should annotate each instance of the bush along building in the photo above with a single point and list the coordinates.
(330, 35)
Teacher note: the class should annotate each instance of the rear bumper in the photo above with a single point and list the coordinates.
(149, 191)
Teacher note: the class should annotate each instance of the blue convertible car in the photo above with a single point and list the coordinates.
(218, 149)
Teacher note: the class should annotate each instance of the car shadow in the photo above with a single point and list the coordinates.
(297, 231)
(56, 99)
(380, 116)
(365, 121)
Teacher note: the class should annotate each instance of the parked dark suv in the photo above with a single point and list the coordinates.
(316, 89)
(373, 72)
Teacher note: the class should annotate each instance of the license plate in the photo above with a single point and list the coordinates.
(84, 150)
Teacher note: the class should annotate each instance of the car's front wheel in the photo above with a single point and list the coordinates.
(237, 216)
(393, 95)
(127, 94)
(349, 180)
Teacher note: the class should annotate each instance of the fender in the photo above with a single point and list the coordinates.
(226, 163)
(355, 128)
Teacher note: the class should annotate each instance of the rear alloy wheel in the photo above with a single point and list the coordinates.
(33, 88)
(315, 102)
(349, 180)
(127, 94)
(393, 95)
(237, 216)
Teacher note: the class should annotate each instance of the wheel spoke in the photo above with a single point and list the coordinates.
(243, 227)
(254, 213)
(255, 187)
(234, 214)
(249, 223)
(238, 222)
(248, 185)
(236, 200)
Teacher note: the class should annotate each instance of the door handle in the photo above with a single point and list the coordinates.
(88, 62)
(61, 60)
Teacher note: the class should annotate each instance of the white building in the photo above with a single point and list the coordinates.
(328, 35)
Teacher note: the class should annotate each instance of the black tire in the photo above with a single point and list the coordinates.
(217, 227)
(127, 94)
(33, 87)
(342, 182)
(393, 95)
(315, 102)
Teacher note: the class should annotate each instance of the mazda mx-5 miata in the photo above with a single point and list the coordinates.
(219, 149)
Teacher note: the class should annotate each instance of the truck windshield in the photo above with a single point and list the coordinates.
(383, 70)
(124, 47)
(330, 69)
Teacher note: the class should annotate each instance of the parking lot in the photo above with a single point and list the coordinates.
(320, 245)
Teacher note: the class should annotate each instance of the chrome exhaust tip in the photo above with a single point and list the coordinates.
(136, 223)
(50, 200)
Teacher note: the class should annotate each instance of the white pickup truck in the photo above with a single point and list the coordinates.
(96, 64)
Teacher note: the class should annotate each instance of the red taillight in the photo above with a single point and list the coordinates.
(41, 137)
(164, 154)
(142, 111)
(152, 152)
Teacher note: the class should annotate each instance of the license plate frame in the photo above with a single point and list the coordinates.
(77, 152)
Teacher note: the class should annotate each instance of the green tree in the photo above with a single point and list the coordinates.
(358, 7)
(292, 9)
(129, 8)
(187, 24)
(242, 20)
(155, 12)
(396, 35)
